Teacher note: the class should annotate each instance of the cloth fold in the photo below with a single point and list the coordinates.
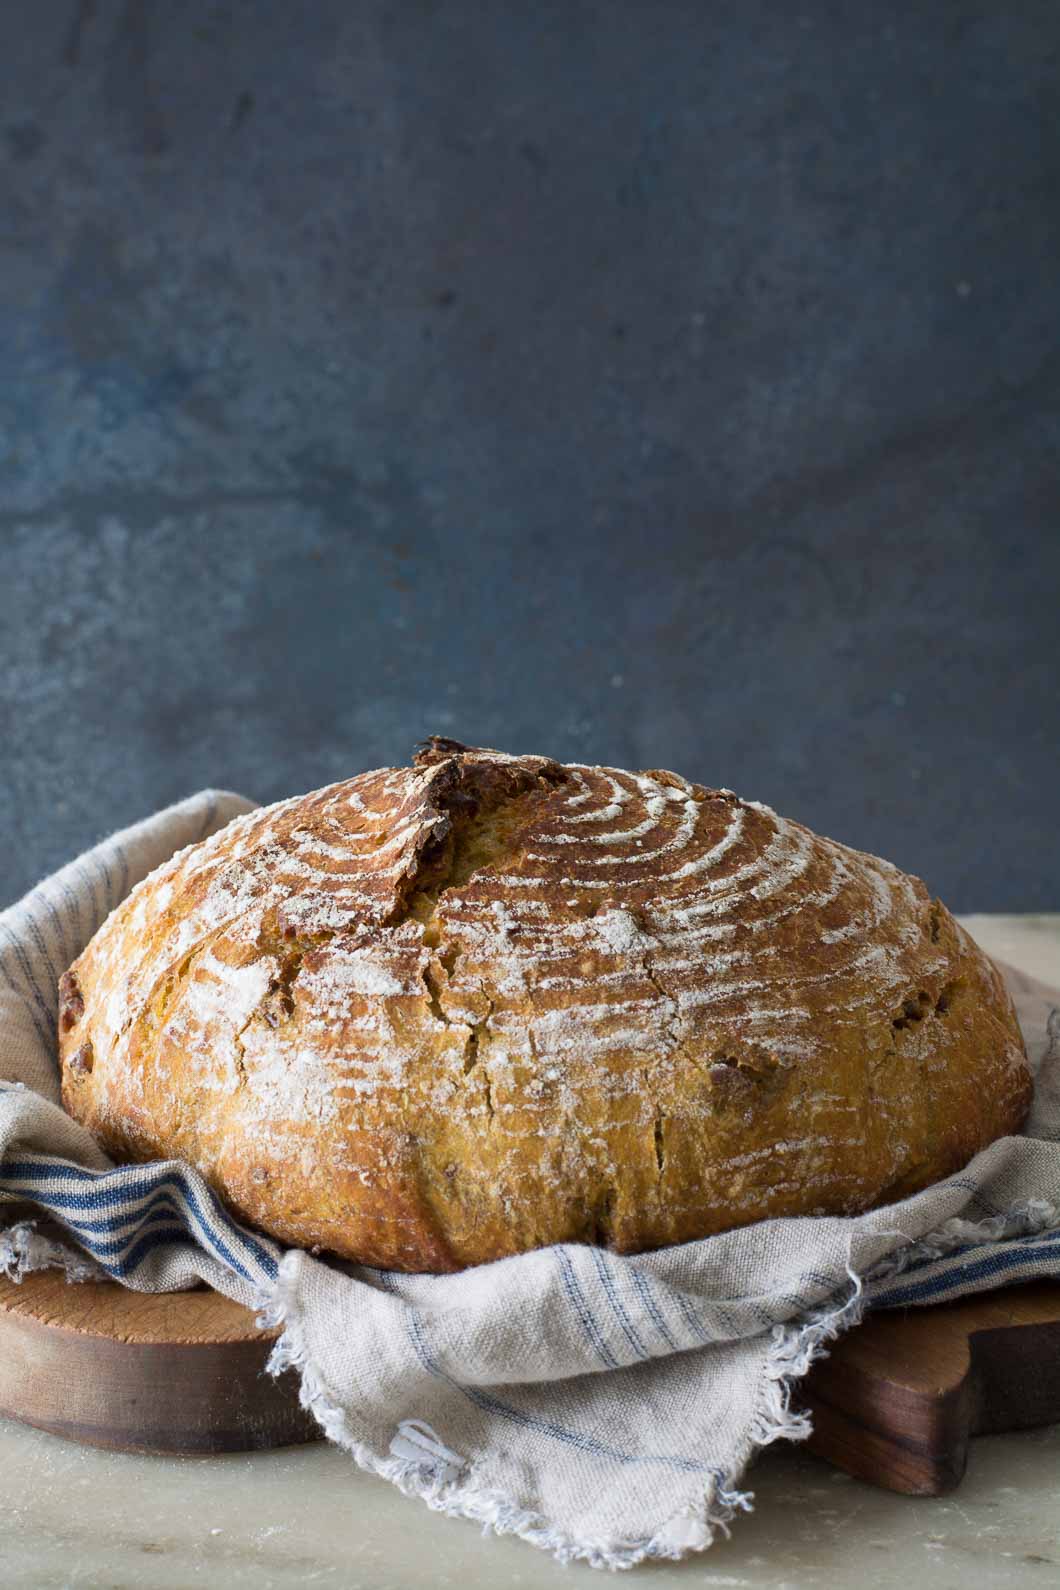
(603, 1407)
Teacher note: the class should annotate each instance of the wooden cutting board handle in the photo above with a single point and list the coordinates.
(898, 1399)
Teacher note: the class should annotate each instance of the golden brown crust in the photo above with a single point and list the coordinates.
(436, 1015)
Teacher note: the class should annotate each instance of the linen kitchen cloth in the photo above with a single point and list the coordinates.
(603, 1407)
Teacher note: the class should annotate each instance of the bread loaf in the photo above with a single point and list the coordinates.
(437, 1015)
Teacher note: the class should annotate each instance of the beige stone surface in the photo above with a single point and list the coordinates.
(1029, 942)
(74, 1517)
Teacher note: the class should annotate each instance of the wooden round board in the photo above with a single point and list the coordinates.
(177, 1372)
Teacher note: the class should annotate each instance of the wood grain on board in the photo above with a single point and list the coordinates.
(899, 1397)
(172, 1372)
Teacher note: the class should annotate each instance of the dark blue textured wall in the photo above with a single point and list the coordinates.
(662, 384)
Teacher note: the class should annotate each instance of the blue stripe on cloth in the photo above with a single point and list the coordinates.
(48, 1008)
(47, 1038)
(691, 1318)
(603, 1269)
(112, 1225)
(38, 938)
(165, 1212)
(73, 901)
(643, 1290)
(581, 1308)
(95, 915)
(266, 1253)
(61, 925)
(1007, 1258)
(190, 1230)
(60, 916)
(100, 864)
(121, 1269)
(557, 1432)
(78, 1197)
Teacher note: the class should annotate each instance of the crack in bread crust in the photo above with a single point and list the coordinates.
(439, 1014)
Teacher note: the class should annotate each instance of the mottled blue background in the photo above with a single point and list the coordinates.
(662, 384)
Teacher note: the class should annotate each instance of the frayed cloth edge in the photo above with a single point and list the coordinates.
(792, 1350)
(794, 1347)
(1025, 1219)
(23, 1249)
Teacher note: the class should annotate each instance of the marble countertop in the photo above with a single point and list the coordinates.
(73, 1516)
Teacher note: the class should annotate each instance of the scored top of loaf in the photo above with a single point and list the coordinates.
(437, 1014)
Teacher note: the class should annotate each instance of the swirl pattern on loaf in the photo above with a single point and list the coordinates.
(437, 1015)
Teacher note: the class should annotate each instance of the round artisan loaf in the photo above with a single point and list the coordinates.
(441, 1014)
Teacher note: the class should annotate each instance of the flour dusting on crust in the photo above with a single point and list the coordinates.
(437, 1014)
